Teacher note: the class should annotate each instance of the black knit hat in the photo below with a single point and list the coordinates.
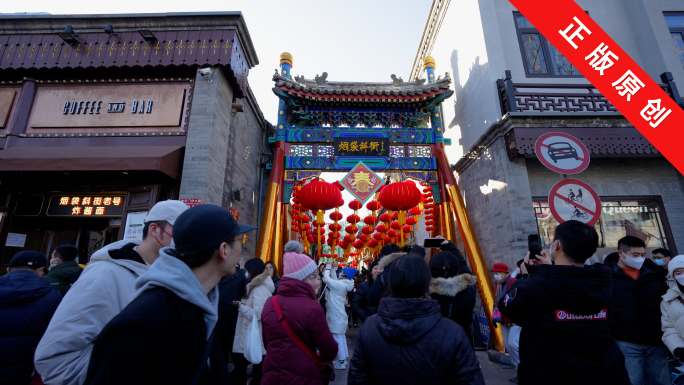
(28, 258)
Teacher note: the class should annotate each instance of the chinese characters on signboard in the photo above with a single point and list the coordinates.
(85, 205)
(190, 202)
(236, 214)
(361, 147)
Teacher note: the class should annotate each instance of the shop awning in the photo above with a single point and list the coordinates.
(166, 159)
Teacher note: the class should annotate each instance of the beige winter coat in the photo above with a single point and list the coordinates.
(258, 291)
(672, 318)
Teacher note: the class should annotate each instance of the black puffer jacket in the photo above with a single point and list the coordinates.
(565, 314)
(379, 288)
(409, 342)
(231, 288)
(360, 302)
(637, 303)
(27, 303)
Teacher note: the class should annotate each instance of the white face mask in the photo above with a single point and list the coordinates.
(498, 277)
(680, 279)
(634, 263)
(53, 262)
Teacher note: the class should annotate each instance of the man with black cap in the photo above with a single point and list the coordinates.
(27, 303)
(166, 334)
(104, 288)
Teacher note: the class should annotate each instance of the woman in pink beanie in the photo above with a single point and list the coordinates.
(285, 362)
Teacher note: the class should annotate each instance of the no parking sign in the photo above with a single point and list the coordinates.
(572, 199)
(562, 153)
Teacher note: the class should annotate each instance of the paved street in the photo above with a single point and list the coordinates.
(494, 374)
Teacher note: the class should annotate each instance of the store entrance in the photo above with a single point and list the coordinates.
(45, 234)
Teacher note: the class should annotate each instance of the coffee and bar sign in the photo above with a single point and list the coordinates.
(129, 105)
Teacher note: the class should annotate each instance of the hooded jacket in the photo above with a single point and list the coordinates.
(258, 291)
(285, 363)
(637, 303)
(409, 342)
(104, 288)
(672, 319)
(62, 276)
(27, 303)
(456, 298)
(565, 314)
(161, 336)
(337, 292)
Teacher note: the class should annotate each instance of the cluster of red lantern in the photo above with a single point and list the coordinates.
(429, 210)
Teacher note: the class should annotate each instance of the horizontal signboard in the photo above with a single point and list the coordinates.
(361, 146)
(70, 205)
(130, 105)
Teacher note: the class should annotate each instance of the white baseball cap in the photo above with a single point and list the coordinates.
(167, 210)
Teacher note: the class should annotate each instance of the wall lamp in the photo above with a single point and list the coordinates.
(147, 35)
(69, 36)
(109, 30)
(239, 194)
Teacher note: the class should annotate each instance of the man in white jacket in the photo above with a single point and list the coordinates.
(336, 314)
(104, 288)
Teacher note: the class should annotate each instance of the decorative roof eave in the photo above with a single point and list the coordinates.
(321, 86)
(381, 98)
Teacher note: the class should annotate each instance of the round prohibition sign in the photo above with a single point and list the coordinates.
(572, 199)
(562, 153)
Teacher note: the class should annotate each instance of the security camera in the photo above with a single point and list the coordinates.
(208, 72)
(109, 29)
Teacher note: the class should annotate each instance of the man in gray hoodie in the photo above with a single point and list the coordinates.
(166, 334)
(104, 288)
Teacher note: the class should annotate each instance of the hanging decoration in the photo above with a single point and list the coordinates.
(319, 195)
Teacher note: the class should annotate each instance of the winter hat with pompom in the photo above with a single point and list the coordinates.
(298, 266)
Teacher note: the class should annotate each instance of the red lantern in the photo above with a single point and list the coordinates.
(334, 235)
(411, 221)
(391, 233)
(429, 223)
(348, 238)
(319, 195)
(318, 231)
(370, 220)
(431, 216)
(406, 229)
(367, 230)
(358, 244)
(379, 236)
(415, 211)
(381, 228)
(395, 225)
(372, 243)
(338, 185)
(334, 227)
(363, 237)
(335, 215)
(373, 205)
(353, 219)
(384, 217)
(350, 229)
(295, 229)
(310, 238)
(355, 205)
(399, 196)
(306, 219)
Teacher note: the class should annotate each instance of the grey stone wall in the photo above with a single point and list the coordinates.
(243, 170)
(624, 177)
(499, 203)
(206, 146)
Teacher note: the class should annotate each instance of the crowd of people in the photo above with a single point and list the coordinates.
(177, 308)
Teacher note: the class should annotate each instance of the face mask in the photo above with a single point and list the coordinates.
(659, 262)
(246, 275)
(498, 277)
(53, 262)
(634, 263)
(680, 279)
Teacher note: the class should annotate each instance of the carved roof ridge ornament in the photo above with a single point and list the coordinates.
(397, 85)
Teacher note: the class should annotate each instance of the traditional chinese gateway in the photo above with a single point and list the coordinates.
(360, 129)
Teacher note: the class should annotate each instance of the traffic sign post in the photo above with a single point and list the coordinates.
(562, 153)
(572, 199)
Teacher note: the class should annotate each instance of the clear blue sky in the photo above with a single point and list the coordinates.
(357, 40)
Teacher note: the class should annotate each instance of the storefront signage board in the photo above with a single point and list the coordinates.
(139, 105)
(236, 214)
(562, 153)
(572, 199)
